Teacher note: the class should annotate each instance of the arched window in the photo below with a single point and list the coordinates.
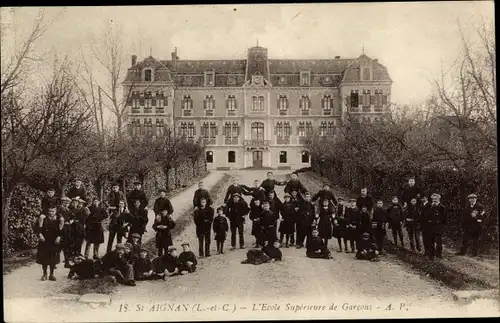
(305, 156)
(209, 156)
(231, 157)
(148, 75)
(257, 131)
(283, 157)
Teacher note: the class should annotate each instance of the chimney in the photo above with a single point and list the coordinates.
(134, 59)
(337, 57)
(174, 58)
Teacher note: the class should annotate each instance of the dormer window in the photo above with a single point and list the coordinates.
(305, 78)
(209, 78)
(282, 80)
(366, 74)
(148, 75)
(257, 80)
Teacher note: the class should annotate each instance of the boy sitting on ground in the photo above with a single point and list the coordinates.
(367, 248)
(143, 267)
(273, 251)
(167, 265)
(187, 259)
(82, 268)
(316, 248)
(266, 254)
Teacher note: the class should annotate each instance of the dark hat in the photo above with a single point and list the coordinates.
(365, 235)
(326, 184)
(220, 208)
(295, 173)
(472, 196)
(163, 190)
(185, 244)
(436, 195)
(51, 189)
(352, 200)
(236, 194)
(120, 246)
(116, 184)
(287, 195)
(77, 198)
(171, 248)
(136, 235)
(143, 249)
(80, 200)
(65, 199)
(137, 183)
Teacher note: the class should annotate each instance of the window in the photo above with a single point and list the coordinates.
(191, 130)
(141, 99)
(309, 129)
(384, 99)
(209, 157)
(183, 129)
(231, 157)
(160, 126)
(366, 98)
(231, 130)
(305, 157)
(287, 130)
(257, 103)
(282, 104)
(282, 157)
(149, 127)
(302, 129)
(204, 130)
(379, 98)
(213, 130)
(305, 78)
(279, 130)
(322, 129)
(305, 105)
(372, 98)
(366, 74)
(148, 75)
(331, 129)
(354, 99)
(208, 105)
(327, 103)
(187, 105)
(236, 130)
(257, 130)
(209, 78)
(142, 129)
(135, 127)
(231, 104)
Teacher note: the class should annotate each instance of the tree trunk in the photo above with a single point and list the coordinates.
(166, 170)
(194, 167)
(6, 200)
(119, 124)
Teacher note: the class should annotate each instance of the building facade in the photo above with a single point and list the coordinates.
(255, 112)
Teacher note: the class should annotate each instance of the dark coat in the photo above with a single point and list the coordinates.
(365, 223)
(313, 245)
(221, 227)
(203, 218)
(275, 205)
(339, 222)
(138, 220)
(200, 194)
(272, 252)
(268, 222)
(473, 217)
(269, 184)
(232, 190)
(94, 232)
(407, 193)
(112, 260)
(163, 204)
(306, 210)
(74, 192)
(163, 236)
(166, 262)
(255, 217)
(186, 256)
(114, 198)
(287, 225)
(137, 195)
(135, 250)
(395, 215)
(48, 202)
(78, 225)
(325, 223)
(324, 195)
(295, 185)
(256, 192)
(434, 219)
(236, 212)
(412, 216)
(367, 244)
(353, 222)
(86, 269)
(364, 201)
(119, 221)
(48, 252)
(379, 219)
(142, 266)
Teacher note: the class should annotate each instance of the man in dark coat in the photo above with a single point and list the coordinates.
(410, 191)
(163, 226)
(163, 203)
(434, 220)
(268, 222)
(295, 185)
(323, 194)
(306, 211)
(412, 223)
(49, 200)
(114, 198)
(138, 194)
(236, 210)
(233, 189)
(269, 183)
(138, 219)
(201, 193)
(275, 204)
(187, 259)
(77, 190)
(257, 192)
(379, 225)
(168, 264)
(395, 216)
(364, 200)
(143, 266)
(424, 209)
(316, 247)
(118, 225)
(115, 263)
(203, 218)
(472, 225)
(94, 232)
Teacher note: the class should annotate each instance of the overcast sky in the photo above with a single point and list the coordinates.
(414, 40)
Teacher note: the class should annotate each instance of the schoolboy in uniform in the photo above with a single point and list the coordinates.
(473, 217)
(287, 224)
(339, 225)
(138, 194)
(435, 220)
(187, 259)
(367, 249)
(305, 212)
(138, 219)
(364, 200)
(94, 232)
(49, 200)
(316, 248)
(221, 227)
(203, 218)
(295, 185)
(269, 183)
(412, 220)
(168, 264)
(255, 216)
(82, 268)
(237, 209)
(395, 217)
(323, 194)
(352, 224)
(163, 226)
(163, 203)
(325, 227)
(143, 266)
(268, 222)
(379, 225)
(201, 193)
(257, 192)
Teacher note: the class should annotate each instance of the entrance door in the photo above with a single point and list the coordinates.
(257, 159)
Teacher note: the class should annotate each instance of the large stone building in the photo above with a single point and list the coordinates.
(253, 112)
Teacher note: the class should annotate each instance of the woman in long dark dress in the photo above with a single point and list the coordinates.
(94, 233)
(49, 244)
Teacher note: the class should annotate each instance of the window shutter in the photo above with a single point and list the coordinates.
(331, 104)
(213, 104)
(348, 99)
(235, 104)
(154, 129)
(323, 103)
(204, 104)
(278, 104)
(227, 103)
(361, 101)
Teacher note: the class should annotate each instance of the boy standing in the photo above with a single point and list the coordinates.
(395, 217)
(305, 212)
(410, 191)
(287, 224)
(412, 220)
(435, 220)
(138, 219)
(187, 259)
(353, 217)
(268, 222)
(255, 215)
(201, 193)
(163, 203)
(118, 225)
(364, 200)
(221, 227)
(203, 218)
(472, 225)
(163, 226)
(379, 225)
(237, 209)
(138, 194)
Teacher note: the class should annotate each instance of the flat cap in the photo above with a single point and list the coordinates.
(326, 184)
(472, 196)
(65, 199)
(171, 248)
(185, 244)
(120, 246)
(77, 198)
(287, 195)
(136, 235)
(237, 194)
(137, 183)
(143, 249)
